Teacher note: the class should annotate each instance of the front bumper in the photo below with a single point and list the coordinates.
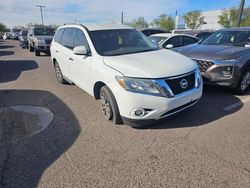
(212, 72)
(42, 47)
(157, 107)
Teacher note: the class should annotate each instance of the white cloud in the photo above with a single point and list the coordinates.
(19, 12)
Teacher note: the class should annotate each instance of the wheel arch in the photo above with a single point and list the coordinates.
(97, 88)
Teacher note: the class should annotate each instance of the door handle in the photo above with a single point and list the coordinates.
(71, 59)
(57, 51)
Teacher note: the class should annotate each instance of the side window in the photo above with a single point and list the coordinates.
(188, 40)
(58, 35)
(80, 39)
(176, 41)
(68, 37)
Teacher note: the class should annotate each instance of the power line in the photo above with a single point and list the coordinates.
(41, 10)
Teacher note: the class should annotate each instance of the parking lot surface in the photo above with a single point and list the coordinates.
(207, 145)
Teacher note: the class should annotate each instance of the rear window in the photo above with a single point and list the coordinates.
(58, 35)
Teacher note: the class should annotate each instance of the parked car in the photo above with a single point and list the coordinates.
(136, 81)
(224, 58)
(168, 40)
(39, 39)
(151, 31)
(200, 34)
(14, 34)
(6, 36)
(23, 38)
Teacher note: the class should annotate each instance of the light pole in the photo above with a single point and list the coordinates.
(242, 2)
(41, 10)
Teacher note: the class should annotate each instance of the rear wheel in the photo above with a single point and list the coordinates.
(109, 106)
(59, 74)
(244, 82)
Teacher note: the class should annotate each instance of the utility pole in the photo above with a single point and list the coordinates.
(242, 2)
(122, 18)
(41, 10)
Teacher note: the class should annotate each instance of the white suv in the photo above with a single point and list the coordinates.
(136, 82)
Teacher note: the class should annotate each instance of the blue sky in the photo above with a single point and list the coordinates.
(21, 12)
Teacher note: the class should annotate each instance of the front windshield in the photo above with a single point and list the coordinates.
(44, 31)
(230, 38)
(16, 30)
(120, 42)
(24, 33)
(157, 39)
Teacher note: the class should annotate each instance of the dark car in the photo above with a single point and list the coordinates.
(39, 39)
(223, 58)
(23, 38)
(152, 31)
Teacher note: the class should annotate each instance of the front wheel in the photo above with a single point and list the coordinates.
(109, 106)
(31, 49)
(244, 82)
(59, 74)
(37, 53)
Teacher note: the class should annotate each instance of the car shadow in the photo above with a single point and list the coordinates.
(5, 46)
(10, 70)
(215, 104)
(22, 162)
(5, 53)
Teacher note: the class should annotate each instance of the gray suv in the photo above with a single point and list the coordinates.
(223, 58)
(39, 39)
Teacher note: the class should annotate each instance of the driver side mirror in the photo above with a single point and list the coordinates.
(169, 46)
(80, 50)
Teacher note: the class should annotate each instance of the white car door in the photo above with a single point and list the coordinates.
(80, 66)
(66, 52)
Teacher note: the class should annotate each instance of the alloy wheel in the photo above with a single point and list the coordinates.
(245, 81)
(106, 107)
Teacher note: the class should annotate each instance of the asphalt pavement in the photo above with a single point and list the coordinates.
(207, 145)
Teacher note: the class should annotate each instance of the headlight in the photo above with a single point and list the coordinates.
(198, 78)
(145, 86)
(227, 71)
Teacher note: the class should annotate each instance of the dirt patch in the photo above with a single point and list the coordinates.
(17, 122)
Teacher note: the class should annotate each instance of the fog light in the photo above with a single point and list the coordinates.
(227, 71)
(138, 112)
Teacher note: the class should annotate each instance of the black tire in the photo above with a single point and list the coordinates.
(31, 49)
(244, 82)
(109, 106)
(59, 74)
(37, 52)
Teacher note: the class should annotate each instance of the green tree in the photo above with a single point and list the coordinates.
(164, 21)
(224, 19)
(138, 23)
(229, 18)
(193, 19)
(3, 28)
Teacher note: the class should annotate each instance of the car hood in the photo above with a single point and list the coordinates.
(212, 52)
(153, 64)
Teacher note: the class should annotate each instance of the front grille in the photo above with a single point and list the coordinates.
(48, 41)
(203, 65)
(176, 85)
